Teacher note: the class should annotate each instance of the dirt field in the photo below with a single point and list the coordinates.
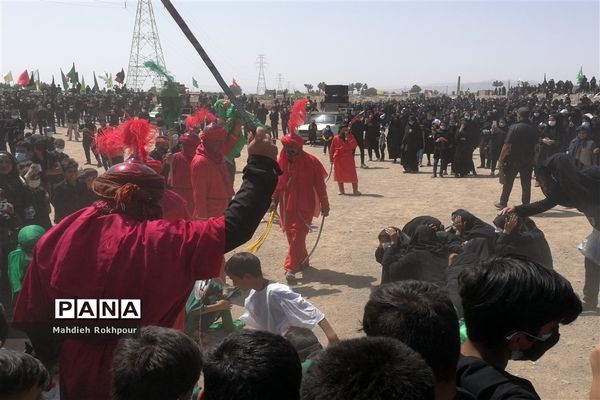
(344, 269)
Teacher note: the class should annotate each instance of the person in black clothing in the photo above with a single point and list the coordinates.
(521, 236)
(549, 141)
(468, 227)
(513, 308)
(274, 117)
(262, 113)
(420, 315)
(70, 195)
(569, 185)
(358, 131)
(425, 259)
(39, 198)
(88, 135)
(14, 203)
(372, 137)
(441, 149)
(497, 137)
(394, 138)
(412, 142)
(517, 157)
(285, 117)
(72, 124)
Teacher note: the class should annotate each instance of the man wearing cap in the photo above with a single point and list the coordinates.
(120, 248)
(517, 157)
(301, 194)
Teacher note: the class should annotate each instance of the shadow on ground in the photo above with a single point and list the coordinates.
(330, 277)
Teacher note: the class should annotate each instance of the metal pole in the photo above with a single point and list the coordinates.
(212, 68)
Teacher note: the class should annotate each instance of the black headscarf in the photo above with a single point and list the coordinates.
(411, 226)
(474, 227)
(474, 251)
(525, 240)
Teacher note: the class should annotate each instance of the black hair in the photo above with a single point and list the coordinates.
(24, 144)
(252, 365)
(243, 263)
(69, 164)
(421, 315)
(503, 295)
(368, 368)
(20, 372)
(304, 341)
(160, 364)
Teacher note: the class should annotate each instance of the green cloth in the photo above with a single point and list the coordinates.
(305, 366)
(18, 259)
(463, 331)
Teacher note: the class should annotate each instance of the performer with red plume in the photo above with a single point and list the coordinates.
(119, 248)
(301, 192)
(212, 185)
(342, 157)
(179, 177)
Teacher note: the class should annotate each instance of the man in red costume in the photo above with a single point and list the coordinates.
(179, 177)
(342, 157)
(119, 248)
(301, 193)
(211, 183)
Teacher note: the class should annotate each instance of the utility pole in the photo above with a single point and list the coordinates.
(145, 46)
(458, 87)
(279, 83)
(261, 85)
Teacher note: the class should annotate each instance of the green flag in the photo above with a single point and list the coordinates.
(580, 74)
(65, 82)
(38, 84)
(194, 82)
(73, 76)
(109, 82)
(82, 90)
(95, 88)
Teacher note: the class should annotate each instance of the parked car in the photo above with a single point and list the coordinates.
(333, 119)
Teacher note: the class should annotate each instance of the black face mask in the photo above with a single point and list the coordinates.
(537, 350)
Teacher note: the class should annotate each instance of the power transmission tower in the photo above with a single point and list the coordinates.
(261, 86)
(145, 46)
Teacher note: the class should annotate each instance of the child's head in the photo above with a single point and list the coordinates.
(304, 341)
(244, 270)
(161, 363)
(23, 377)
(252, 365)
(582, 133)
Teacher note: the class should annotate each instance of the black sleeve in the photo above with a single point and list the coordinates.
(527, 210)
(250, 203)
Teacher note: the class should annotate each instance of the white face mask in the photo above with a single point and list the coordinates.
(33, 183)
(551, 123)
(59, 150)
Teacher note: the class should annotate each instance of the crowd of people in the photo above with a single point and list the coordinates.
(175, 205)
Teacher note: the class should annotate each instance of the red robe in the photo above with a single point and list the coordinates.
(340, 154)
(174, 206)
(302, 193)
(89, 255)
(180, 178)
(211, 183)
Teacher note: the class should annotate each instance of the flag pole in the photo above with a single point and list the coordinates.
(211, 66)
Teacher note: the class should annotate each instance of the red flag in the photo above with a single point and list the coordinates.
(23, 79)
(234, 83)
(120, 77)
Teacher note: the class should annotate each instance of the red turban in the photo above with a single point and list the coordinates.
(132, 188)
(155, 165)
(292, 140)
(213, 132)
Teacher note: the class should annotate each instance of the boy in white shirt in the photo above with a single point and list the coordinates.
(272, 306)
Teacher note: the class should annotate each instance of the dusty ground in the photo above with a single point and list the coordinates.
(344, 268)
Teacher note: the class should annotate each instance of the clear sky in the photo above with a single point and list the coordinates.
(388, 45)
